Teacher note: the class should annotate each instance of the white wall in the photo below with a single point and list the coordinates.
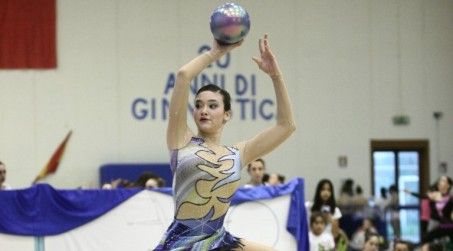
(341, 64)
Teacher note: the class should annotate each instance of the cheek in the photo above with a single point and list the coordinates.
(218, 115)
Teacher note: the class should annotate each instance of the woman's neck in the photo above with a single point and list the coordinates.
(210, 139)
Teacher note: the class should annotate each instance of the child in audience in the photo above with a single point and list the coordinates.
(318, 238)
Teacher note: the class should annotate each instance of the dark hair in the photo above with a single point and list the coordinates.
(260, 160)
(393, 188)
(214, 88)
(384, 192)
(265, 177)
(408, 244)
(145, 176)
(161, 182)
(317, 203)
(347, 187)
(358, 190)
(281, 178)
(1, 163)
(315, 215)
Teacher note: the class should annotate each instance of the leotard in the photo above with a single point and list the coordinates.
(205, 180)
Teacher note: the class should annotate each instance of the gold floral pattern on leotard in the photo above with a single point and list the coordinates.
(212, 194)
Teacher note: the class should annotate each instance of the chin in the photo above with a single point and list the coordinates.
(204, 130)
(207, 129)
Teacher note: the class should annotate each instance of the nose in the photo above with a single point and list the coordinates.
(204, 110)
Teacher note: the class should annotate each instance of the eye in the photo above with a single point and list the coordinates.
(213, 106)
(197, 105)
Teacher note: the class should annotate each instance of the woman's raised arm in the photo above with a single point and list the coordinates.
(178, 132)
(285, 125)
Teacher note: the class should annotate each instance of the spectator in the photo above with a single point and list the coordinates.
(148, 180)
(394, 211)
(273, 179)
(382, 203)
(359, 201)
(3, 185)
(441, 205)
(318, 238)
(118, 183)
(324, 202)
(371, 242)
(425, 210)
(402, 246)
(256, 171)
(358, 238)
(345, 200)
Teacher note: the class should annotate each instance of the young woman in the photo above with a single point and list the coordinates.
(207, 173)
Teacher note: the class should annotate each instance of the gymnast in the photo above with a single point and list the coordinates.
(207, 173)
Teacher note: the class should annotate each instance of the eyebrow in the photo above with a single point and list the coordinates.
(209, 101)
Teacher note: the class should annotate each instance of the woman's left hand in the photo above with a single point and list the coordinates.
(267, 62)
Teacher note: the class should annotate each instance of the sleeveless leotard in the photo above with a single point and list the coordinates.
(204, 180)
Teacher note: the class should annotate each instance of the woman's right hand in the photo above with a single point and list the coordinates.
(218, 50)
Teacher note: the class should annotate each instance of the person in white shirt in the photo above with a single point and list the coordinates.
(319, 239)
(3, 185)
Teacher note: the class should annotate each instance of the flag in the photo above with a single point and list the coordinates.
(28, 34)
(54, 161)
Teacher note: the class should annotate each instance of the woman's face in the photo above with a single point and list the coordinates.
(209, 113)
(372, 244)
(326, 192)
(443, 185)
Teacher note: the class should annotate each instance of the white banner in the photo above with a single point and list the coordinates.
(139, 223)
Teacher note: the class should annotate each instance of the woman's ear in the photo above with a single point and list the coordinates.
(227, 117)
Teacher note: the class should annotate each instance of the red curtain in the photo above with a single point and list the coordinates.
(27, 34)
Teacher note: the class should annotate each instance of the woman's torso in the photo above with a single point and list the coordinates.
(205, 179)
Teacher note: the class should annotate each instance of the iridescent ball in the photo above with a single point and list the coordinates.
(230, 23)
